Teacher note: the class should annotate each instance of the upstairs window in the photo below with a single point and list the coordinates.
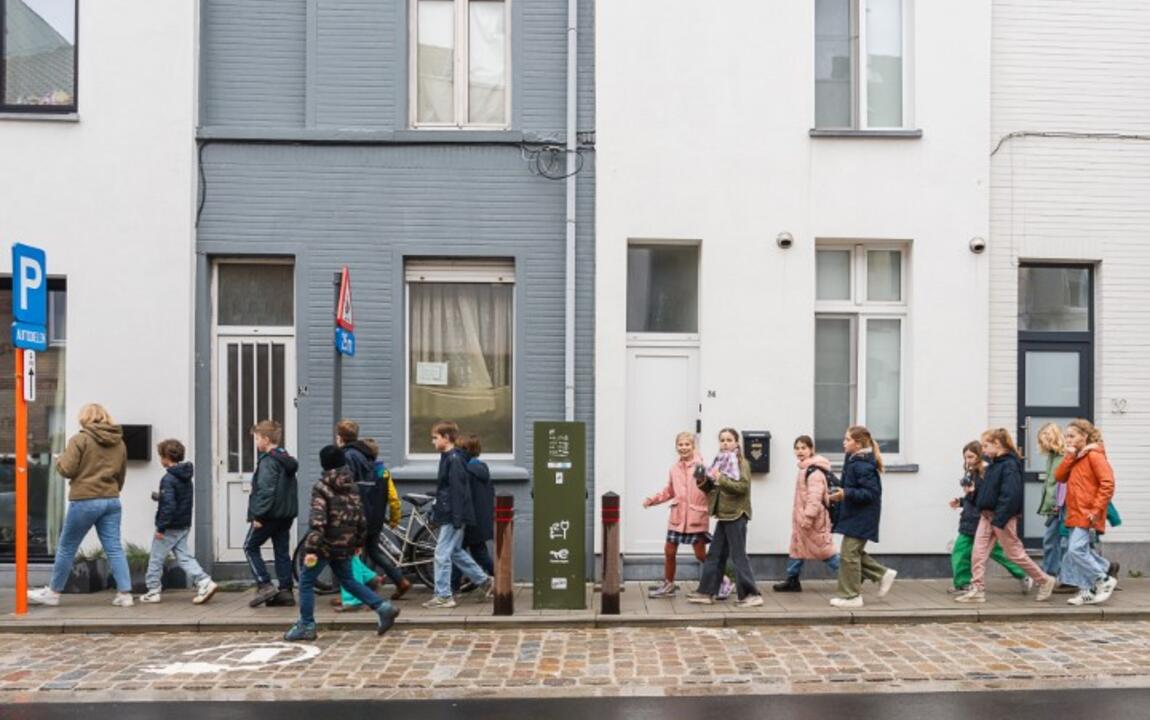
(860, 67)
(460, 62)
(38, 56)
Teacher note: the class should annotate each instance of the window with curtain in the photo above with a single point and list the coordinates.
(461, 332)
(460, 62)
(860, 326)
(38, 65)
(46, 428)
(859, 64)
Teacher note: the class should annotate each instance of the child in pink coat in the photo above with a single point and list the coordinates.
(690, 518)
(810, 518)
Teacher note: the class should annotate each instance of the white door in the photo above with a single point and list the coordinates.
(255, 380)
(662, 401)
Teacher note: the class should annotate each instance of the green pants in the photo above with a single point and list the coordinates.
(960, 560)
(855, 565)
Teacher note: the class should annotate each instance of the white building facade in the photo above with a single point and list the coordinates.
(789, 194)
(1070, 235)
(97, 140)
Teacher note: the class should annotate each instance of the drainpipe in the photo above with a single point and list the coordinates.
(572, 147)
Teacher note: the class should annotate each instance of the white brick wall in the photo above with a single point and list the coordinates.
(1062, 66)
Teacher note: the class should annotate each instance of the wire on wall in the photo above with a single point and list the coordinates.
(1067, 134)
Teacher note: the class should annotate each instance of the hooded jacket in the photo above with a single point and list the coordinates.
(95, 461)
(360, 458)
(810, 520)
(1089, 487)
(275, 490)
(1001, 489)
(483, 499)
(689, 512)
(336, 525)
(453, 503)
(862, 497)
(174, 511)
(968, 520)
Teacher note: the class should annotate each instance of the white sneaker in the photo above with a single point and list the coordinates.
(152, 596)
(123, 600)
(887, 582)
(204, 591)
(1027, 584)
(726, 587)
(846, 603)
(44, 596)
(1084, 597)
(1104, 589)
(750, 601)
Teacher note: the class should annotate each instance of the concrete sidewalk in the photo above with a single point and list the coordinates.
(910, 602)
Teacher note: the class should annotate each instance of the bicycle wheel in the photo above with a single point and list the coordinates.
(421, 556)
(324, 584)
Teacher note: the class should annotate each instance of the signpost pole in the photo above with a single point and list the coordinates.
(21, 488)
(337, 370)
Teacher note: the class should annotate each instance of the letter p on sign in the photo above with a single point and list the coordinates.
(30, 286)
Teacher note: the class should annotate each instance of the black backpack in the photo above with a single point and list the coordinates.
(833, 483)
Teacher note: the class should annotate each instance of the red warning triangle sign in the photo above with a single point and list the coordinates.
(343, 306)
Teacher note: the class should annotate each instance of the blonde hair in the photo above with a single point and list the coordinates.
(1087, 428)
(686, 436)
(1002, 437)
(861, 435)
(95, 414)
(1050, 439)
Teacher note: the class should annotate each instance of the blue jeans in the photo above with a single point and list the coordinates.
(1052, 544)
(482, 557)
(175, 542)
(1082, 567)
(279, 532)
(795, 566)
(341, 568)
(104, 514)
(449, 552)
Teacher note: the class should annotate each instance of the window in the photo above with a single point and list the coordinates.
(663, 288)
(860, 69)
(1053, 299)
(255, 294)
(46, 428)
(460, 63)
(460, 351)
(38, 56)
(860, 322)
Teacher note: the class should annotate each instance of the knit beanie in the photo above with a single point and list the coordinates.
(331, 457)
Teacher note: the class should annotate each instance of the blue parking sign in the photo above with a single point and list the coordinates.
(29, 285)
(344, 342)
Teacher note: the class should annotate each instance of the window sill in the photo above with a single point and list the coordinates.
(49, 117)
(501, 471)
(901, 469)
(900, 134)
(366, 137)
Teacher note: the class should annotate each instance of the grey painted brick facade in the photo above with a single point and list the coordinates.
(315, 70)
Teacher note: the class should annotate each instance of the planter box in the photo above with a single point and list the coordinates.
(87, 576)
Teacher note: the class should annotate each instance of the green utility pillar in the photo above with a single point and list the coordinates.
(560, 491)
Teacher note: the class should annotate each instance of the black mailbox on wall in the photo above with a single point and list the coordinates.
(757, 450)
(138, 441)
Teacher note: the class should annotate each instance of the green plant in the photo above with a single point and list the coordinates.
(137, 557)
(93, 554)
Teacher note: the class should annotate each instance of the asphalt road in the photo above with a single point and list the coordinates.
(1048, 705)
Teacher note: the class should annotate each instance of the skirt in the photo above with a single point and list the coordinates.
(674, 537)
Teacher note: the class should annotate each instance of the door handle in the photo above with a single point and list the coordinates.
(1025, 435)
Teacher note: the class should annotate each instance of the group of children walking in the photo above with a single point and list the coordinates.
(1076, 506)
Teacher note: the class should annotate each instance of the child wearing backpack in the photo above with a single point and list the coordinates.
(810, 518)
(960, 554)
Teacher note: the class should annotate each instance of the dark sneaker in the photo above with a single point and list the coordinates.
(791, 584)
(387, 616)
(300, 631)
(264, 593)
(467, 586)
(283, 598)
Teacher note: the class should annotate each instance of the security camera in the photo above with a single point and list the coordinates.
(977, 245)
(785, 240)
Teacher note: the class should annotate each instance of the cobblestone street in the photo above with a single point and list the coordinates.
(421, 663)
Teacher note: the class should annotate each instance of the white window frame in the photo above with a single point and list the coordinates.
(479, 270)
(858, 69)
(860, 311)
(460, 65)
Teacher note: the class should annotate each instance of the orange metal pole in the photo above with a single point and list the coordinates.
(21, 488)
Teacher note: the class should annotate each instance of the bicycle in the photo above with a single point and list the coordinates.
(410, 546)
